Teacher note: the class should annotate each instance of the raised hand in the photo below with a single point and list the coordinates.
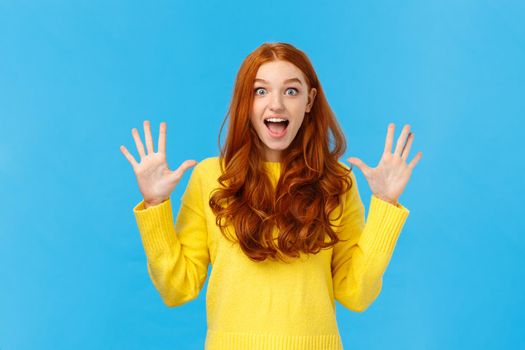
(156, 181)
(388, 180)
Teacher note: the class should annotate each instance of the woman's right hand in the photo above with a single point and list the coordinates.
(156, 181)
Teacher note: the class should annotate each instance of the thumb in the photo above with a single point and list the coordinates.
(177, 174)
(357, 162)
(187, 164)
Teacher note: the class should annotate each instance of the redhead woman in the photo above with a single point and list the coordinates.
(277, 215)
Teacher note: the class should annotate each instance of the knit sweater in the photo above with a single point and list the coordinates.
(270, 304)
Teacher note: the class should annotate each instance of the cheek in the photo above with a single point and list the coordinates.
(257, 106)
(254, 119)
(256, 112)
(298, 111)
(253, 109)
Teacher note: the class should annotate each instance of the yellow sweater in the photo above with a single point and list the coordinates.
(266, 305)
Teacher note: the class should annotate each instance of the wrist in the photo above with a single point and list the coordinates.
(388, 200)
(152, 203)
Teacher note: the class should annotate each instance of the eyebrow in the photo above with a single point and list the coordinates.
(296, 80)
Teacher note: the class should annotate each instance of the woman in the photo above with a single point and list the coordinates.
(277, 215)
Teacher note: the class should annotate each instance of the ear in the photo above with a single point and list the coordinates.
(311, 98)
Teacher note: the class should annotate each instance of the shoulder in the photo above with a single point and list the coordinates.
(207, 168)
(344, 165)
(208, 164)
(347, 167)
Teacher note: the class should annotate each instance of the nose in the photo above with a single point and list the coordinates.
(276, 104)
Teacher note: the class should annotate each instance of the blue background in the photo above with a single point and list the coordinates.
(77, 76)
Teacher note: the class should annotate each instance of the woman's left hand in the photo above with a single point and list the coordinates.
(388, 180)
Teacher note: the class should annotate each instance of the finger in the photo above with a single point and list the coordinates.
(129, 157)
(138, 143)
(416, 159)
(149, 139)
(389, 138)
(177, 174)
(406, 150)
(401, 140)
(162, 138)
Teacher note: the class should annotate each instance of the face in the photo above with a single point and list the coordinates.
(280, 95)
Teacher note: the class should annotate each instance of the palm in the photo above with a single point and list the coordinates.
(154, 177)
(156, 181)
(389, 179)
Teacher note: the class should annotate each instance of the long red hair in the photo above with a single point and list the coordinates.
(312, 179)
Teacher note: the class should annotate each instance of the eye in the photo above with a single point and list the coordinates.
(294, 89)
(257, 89)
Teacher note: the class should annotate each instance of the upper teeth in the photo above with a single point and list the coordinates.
(275, 120)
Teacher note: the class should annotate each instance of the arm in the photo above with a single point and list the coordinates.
(359, 263)
(177, 255)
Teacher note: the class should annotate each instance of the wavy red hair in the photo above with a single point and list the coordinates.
(312, 179)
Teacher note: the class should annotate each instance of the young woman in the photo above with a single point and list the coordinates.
(277, 215)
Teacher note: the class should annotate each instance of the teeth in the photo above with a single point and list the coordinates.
(275, 120)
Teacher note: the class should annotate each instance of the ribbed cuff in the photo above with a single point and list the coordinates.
(156, 227)
(383, 226)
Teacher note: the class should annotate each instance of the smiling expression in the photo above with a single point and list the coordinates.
(280, 91)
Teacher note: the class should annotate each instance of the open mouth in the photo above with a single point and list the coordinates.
(276, 126)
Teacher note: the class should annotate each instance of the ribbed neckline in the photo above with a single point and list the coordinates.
(273, 165)
(274, 168)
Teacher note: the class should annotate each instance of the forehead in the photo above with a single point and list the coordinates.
(276, 72)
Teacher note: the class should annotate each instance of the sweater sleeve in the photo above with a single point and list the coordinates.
(177, 253)
(360, 259)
